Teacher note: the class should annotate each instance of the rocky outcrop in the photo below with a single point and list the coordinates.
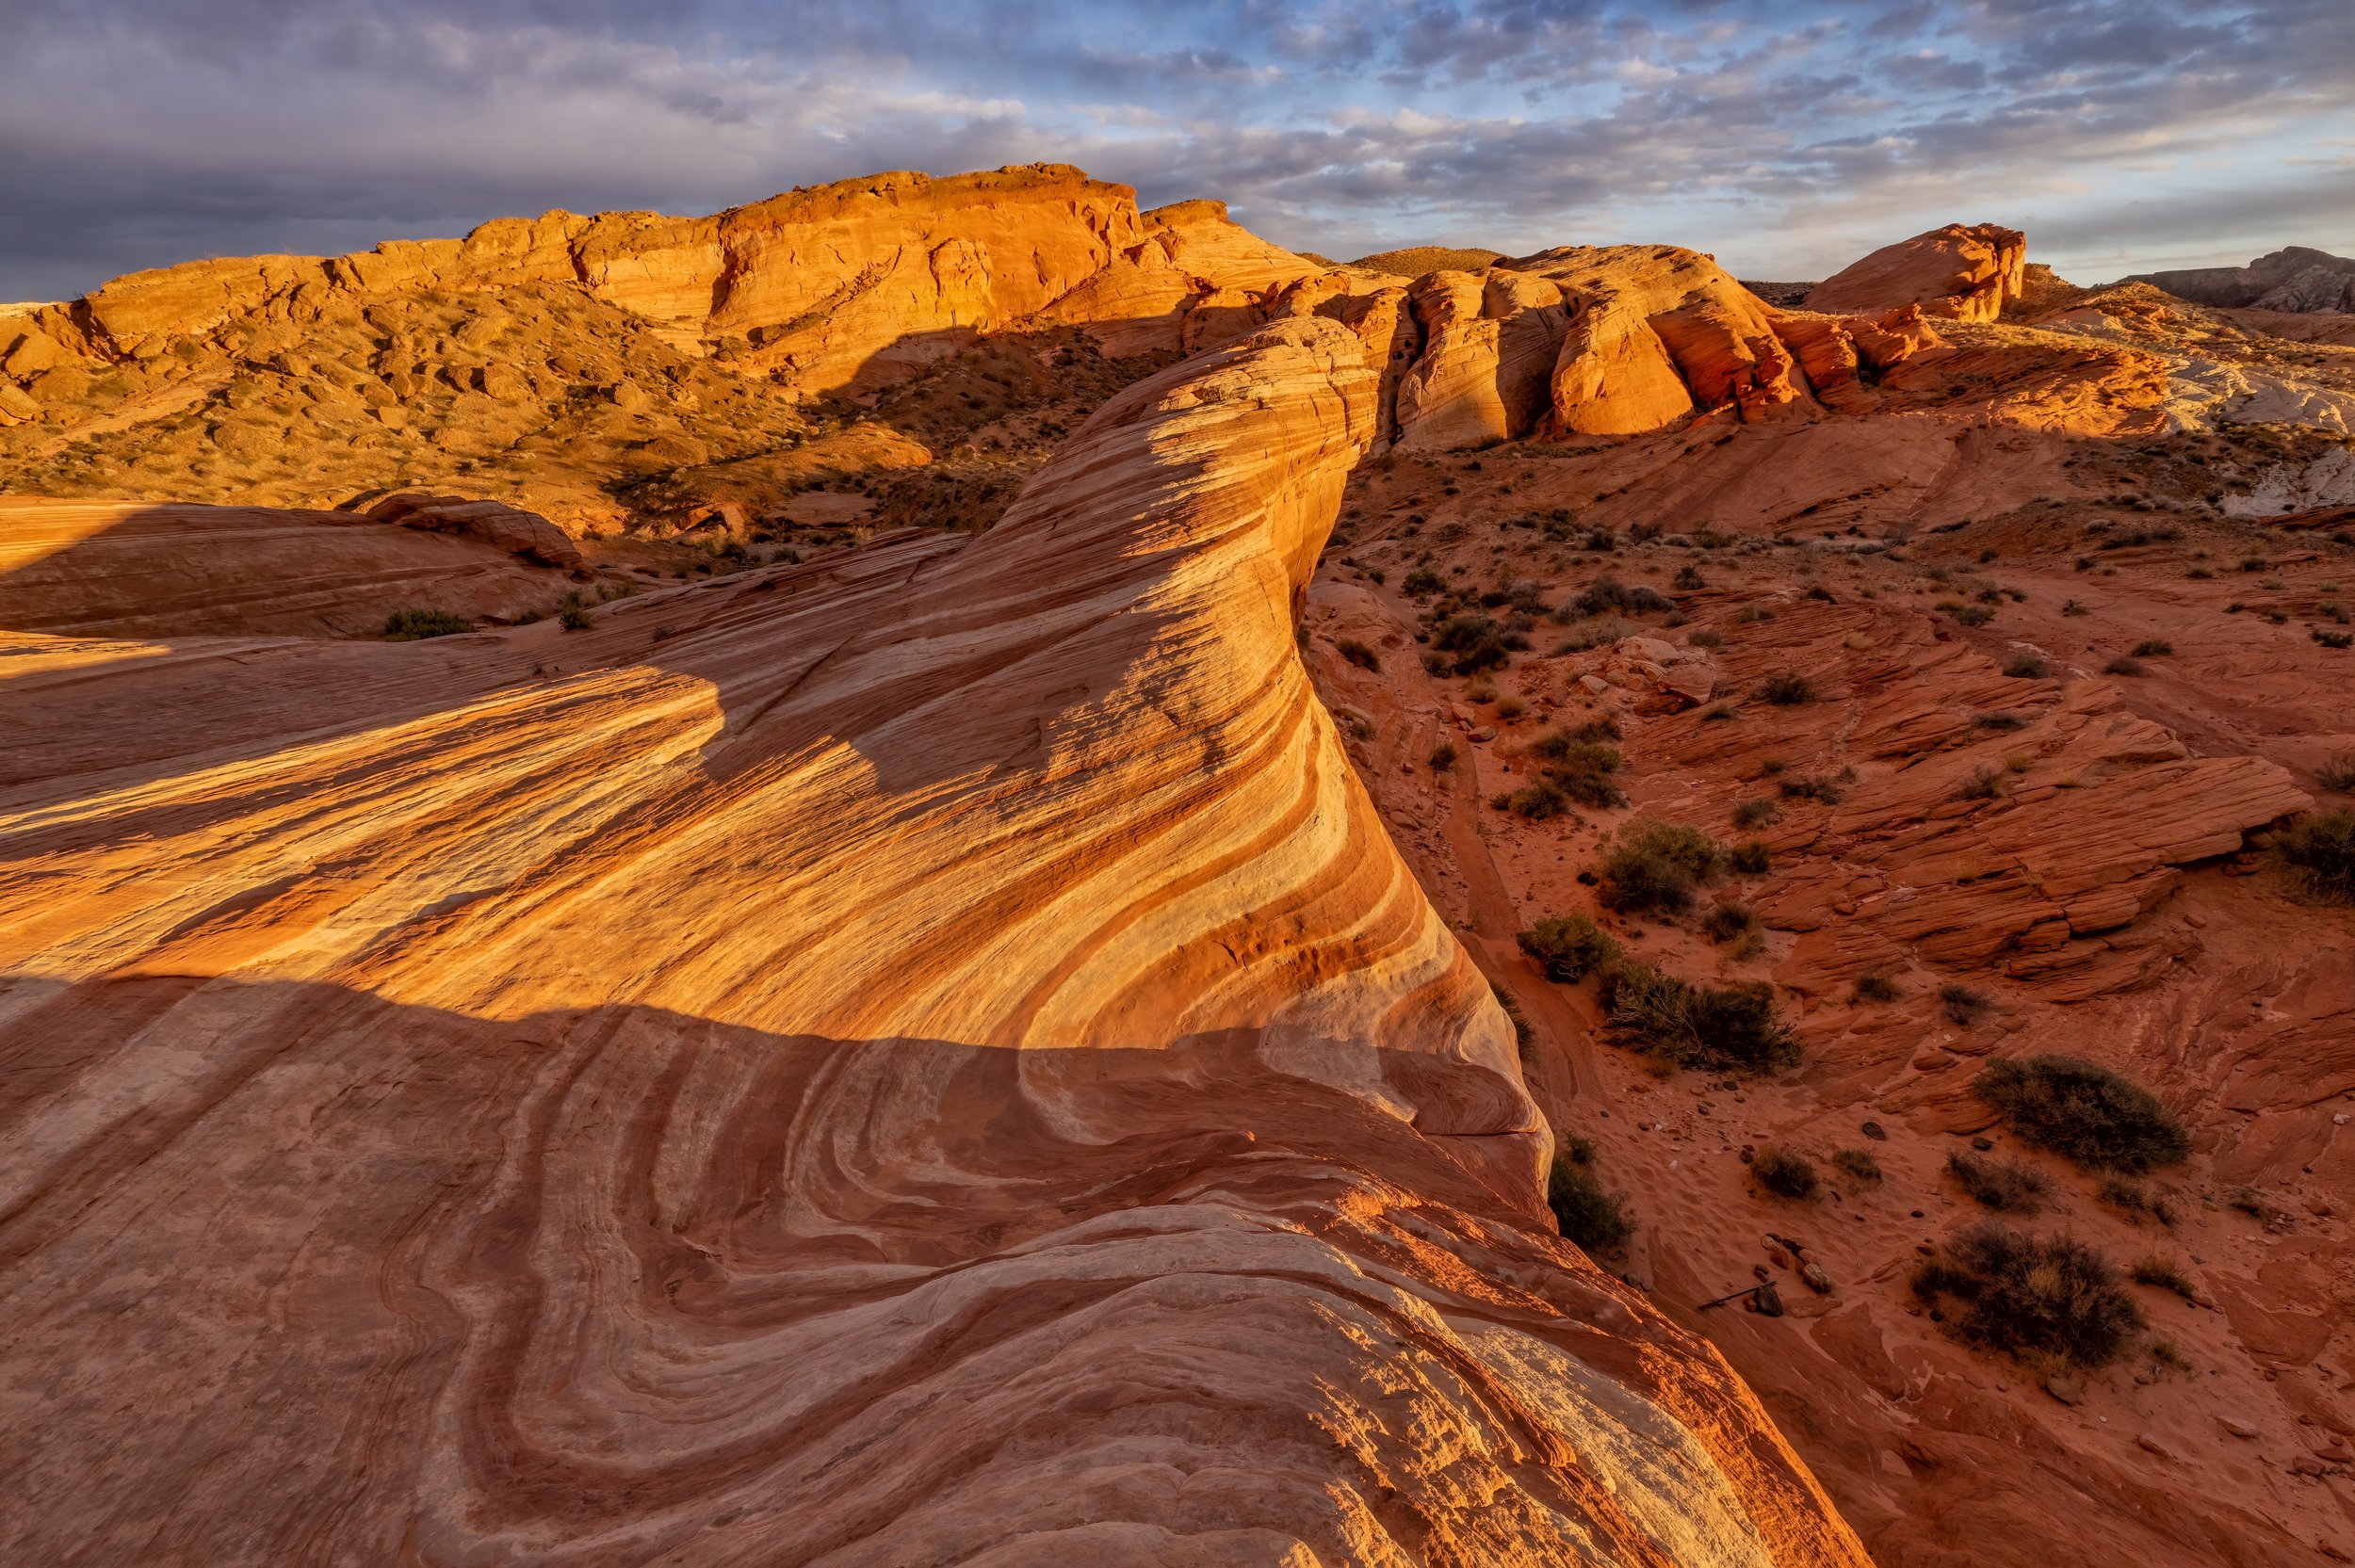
(923, 1058)
(116, 569)
(1963, 274)
(1489, 342)
(845, 287)
(1616, 340)
(511, 529)
(2296, 280)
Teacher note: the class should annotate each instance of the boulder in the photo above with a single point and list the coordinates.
(511, 529)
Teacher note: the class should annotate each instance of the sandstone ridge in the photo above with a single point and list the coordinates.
(923, 1057)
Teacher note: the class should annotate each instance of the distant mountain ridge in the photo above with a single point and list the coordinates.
(2294, 279)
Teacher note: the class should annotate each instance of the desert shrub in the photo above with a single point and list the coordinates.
(2153, 646)
(1973, 615)
(1688, 580)
(1729, 921)
(2136, 1200)
(1592, 1219)
(1607, 595)
(1594, 633)
(1810, 787)
(1358, 654)
(2164, 1273)
(2333, 639)
(1569, 947)
(2000, 721)
(2337, 775)
(1874, 986)
(1443, 756)
(575, 619)
(1706, 639)
(1557, 743)
(1787, 688)
(1474, 642)
(1784, 1172)
(2320, 852)
(1509, 708)
(1657, 866)
(1537, 802)
(1997, 1183)
(1961, 1003)
(1684, 1024)
(2086, 1114)
(2026, 667)
(1751, 859)
(1756, 814)
(1857, 1165)
(1423, 583)
(1985, 783)
(2073, 607)
(1513, 1015)
(412, 625)
(2023, 1294)
(2125, 664)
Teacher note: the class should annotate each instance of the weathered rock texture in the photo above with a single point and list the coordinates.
(1966, 274)
(925, 1060)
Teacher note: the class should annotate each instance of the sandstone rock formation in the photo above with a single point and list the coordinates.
(2295, 280)
(841, 286)
(127, 571)
(511, 529)
(929, 1058)
(1964, 274)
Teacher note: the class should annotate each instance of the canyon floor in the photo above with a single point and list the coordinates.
(845, 883)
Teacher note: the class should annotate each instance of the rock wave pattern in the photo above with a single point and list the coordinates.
(928, 1058)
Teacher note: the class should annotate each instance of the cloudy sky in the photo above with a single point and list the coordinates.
(1784, 136)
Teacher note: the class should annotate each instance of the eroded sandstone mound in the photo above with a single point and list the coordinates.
(1958, 272)
(924, 1058)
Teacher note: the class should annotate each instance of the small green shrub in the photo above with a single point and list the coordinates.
(1536, 803)
(1684, 1024)
(1756, 814)
(2125, 664)
(1857, 1165)
(1810, 787)
(1787, 688)
(1751, 859)
(1569, 947)
(1443, 756)
(414, 625)
(1657, 866)
(2337, 775)
(2086, 1114)
(1358, 654)
(575, 619)
(2153, 646)
(2026, 1295)
(2026, 667)
(1422, 583)
(1593, 1219)
(1784, 1172)
(2320, 852)
(1997, 1183)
